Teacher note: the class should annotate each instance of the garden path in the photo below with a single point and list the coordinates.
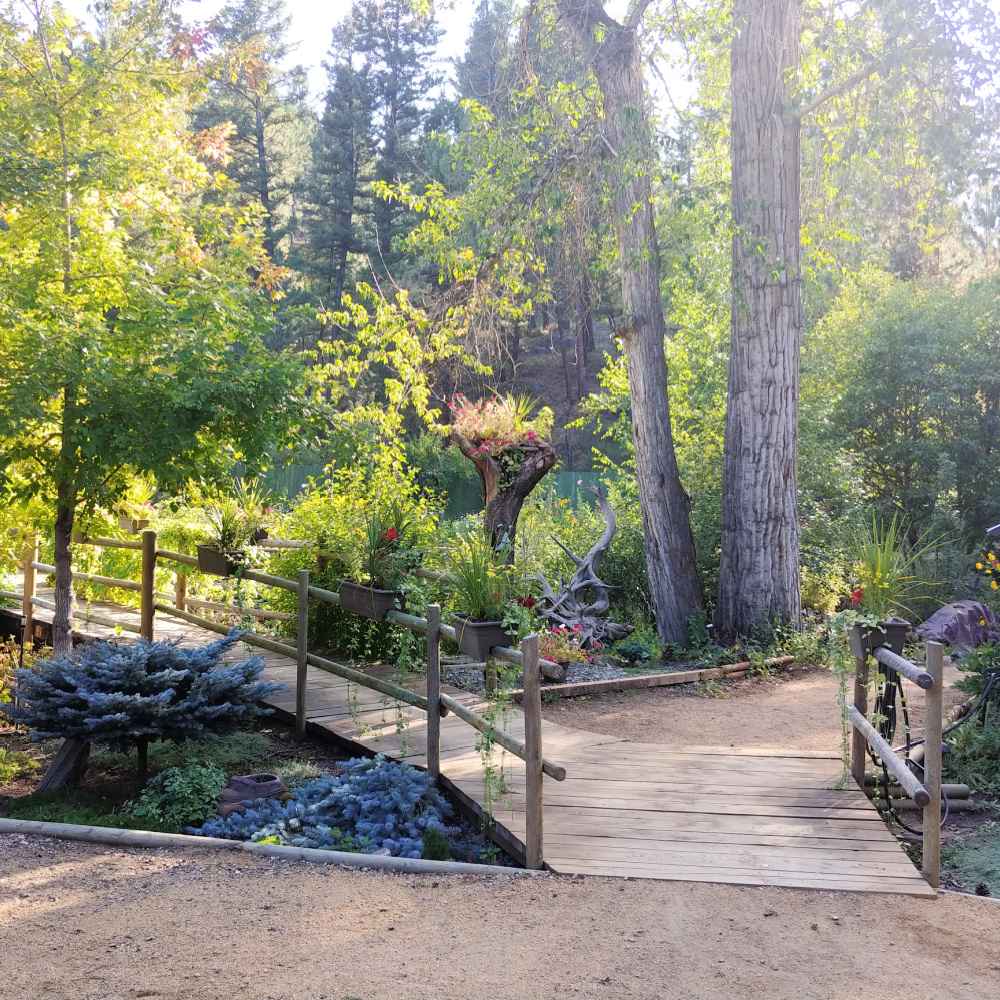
(761, 816)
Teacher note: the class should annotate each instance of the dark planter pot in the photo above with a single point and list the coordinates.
(476, 639)
(260, 535)
(11, 624)
(368, 602)
(211, 560)
(865, 639)
(133, 524)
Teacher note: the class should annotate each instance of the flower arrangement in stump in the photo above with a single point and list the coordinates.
(388, 557)
(507, 442)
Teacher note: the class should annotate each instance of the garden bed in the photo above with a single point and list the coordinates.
(310, 769)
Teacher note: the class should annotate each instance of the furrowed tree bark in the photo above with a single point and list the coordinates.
(669, 543)
(759, 571)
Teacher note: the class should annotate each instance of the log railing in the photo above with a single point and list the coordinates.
(926, 794)
(434, 703)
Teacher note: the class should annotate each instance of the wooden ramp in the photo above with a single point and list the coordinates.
(626, 809)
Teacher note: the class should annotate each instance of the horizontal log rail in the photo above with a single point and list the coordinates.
(108, 543)
(235, 609)
(177, 557)
(903, 666)
(895, 764)
(274, 646)
(508, 742)
(90, 617)
(102, 581)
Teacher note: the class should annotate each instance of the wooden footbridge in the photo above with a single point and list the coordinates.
(624, 809)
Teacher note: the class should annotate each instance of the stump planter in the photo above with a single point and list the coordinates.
(133, 524)
(477, 639)
(369, 602)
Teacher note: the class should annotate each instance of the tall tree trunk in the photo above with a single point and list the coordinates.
(264, 179)
(669, 543)
(759, 571)
(62, 617)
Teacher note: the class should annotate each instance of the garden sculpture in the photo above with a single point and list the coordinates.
(582, 604)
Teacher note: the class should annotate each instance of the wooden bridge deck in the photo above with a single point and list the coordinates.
(627, 809)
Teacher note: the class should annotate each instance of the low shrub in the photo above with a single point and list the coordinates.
(14, 765)
(230, 752)
(179, 797)
(374, 805)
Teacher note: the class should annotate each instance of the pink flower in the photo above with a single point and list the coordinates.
(857, 596)
(391, 535)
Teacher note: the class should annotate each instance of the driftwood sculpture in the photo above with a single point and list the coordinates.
(582, 604)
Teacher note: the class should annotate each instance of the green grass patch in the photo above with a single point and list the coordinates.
(79, 807)
(975, 862)
(232, 753)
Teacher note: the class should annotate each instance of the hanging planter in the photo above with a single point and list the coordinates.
(214, 561)
(478, 638)
(132, 524)
(369, 602)
(892, 632)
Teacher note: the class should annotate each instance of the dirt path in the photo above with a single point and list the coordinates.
(796, 708)
(85, 923)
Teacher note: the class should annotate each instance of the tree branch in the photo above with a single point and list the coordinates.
(635, 14)
(848, 83)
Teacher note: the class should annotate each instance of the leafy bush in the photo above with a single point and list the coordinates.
(374, 805)
(973, 757)
(133, 693)
(179, 797)
(977, 666)
(14, 765)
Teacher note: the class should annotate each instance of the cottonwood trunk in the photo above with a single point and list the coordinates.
(669, 543)
(759, 571)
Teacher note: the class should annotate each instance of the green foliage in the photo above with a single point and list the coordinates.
(78, 807)
(179, 797)
(973, 756)
(977, 666)
(482, 584)
(245, 749)
(14, 765)
(436, 846)
(886, 567)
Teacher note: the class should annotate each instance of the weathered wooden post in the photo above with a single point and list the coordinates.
(147, 595)
(532, 707)
(180, 590)
(859, 746)
(934, 696)
(28, 559)
(302, 654)
(434, 691)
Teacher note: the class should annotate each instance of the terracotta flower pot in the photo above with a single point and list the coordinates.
(369, 602)
(211, 560)
(477, 639)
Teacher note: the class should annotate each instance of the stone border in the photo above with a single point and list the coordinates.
(117, 837)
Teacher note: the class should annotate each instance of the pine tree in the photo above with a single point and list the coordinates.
(336, 189)
(397, 43)
(264, 104)
(482, 74)
(130, 694)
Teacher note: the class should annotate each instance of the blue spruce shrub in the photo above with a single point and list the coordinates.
(373, 806)
(125, 693)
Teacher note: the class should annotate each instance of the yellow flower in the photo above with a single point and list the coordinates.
(979, 566)
(995, 585)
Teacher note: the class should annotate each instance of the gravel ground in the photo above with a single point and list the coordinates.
(81, 922)
(469, 676)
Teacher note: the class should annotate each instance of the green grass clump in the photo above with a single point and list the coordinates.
(233, 751)
(79, 807)
(975, 861)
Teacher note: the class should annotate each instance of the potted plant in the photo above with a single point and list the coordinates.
(136, 507)
(387, 557)
(257, 505)
(228, 548)
(482, 589)
(888, 584)
(561, 644)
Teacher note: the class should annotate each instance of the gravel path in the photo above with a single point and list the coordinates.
(80, 922)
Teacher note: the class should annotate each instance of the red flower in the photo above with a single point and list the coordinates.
(857, 596)
(391, 535)
(526, 602)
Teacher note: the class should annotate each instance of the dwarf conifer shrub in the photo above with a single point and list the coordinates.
(127, 694)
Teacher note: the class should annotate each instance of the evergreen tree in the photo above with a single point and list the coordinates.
(336, 188)
(264, 106)
(397, 43)
(133, 693)
(483, 73)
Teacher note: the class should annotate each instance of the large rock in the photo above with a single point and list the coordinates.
(963, 625)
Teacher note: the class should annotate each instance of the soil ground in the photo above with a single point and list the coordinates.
(79, 922)
(82, 922)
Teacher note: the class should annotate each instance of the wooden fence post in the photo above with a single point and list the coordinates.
(934, 700)
(180, 590)
(302, 654)
(859, 747)
(532, 707)
(28, 560)
(147, 596)
(434, 691)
